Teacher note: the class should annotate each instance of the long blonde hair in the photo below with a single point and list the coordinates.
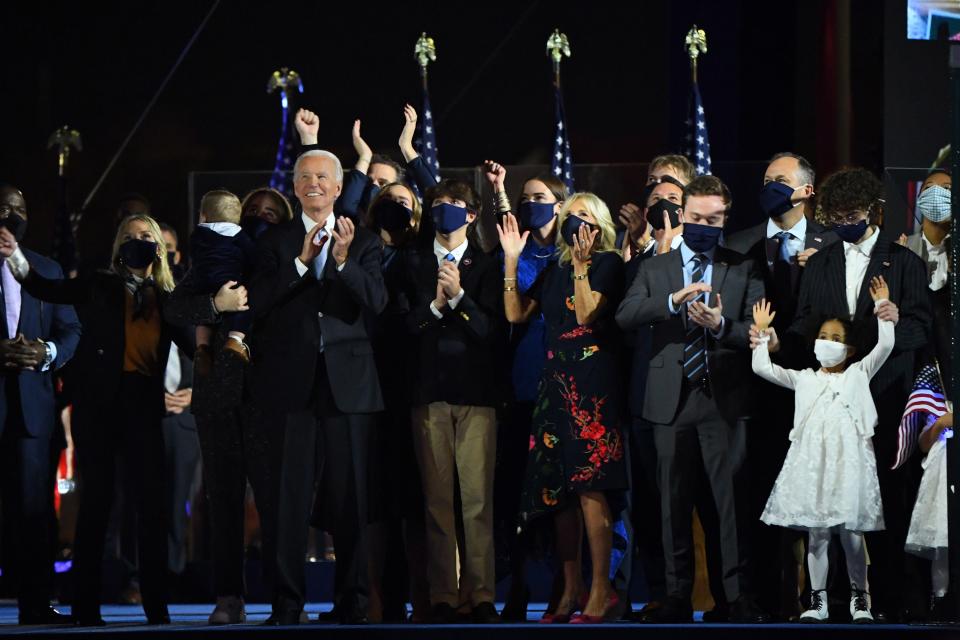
(606, 241)
(161, 270)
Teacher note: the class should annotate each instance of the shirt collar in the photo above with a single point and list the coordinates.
(865, 247)
(687, 254)
(222, 228)
(798, 230)
(309, 222)
(934, 248)
(457, 251)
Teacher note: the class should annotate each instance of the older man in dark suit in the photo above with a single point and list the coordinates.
(698, 303)
(317, 282)
(36, 338)
(784, 242)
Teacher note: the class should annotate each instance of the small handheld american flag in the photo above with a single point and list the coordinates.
(926, 399)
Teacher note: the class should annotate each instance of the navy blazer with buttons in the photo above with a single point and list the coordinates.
(40, 320)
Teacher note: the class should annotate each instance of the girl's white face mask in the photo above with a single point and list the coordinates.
(830, 353)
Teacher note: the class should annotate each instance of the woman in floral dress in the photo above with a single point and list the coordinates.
(576, 462)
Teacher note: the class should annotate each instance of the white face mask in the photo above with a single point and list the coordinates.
(934, 203)
(830, 353)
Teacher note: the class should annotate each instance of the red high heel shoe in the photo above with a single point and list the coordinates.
(563, 618)
(582, 618)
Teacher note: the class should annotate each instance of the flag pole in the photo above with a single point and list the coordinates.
(425, 52)
(558, 46)
(284, 81)
(695, 44)
(65, 232)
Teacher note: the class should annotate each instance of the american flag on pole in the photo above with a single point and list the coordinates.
(425, 137)
(925, 400)
(561, 163)
(697, 147)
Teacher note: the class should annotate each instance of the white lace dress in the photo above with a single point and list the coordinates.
(829, 477)
(928, 524)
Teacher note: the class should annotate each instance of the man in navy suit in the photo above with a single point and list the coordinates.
(36, 338)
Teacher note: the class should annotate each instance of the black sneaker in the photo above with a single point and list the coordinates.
(485, 613)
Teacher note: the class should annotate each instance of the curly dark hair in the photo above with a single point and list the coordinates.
(455, 190)
(850, 189)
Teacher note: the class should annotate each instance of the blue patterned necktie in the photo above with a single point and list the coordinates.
(783, 245)
(694, 350)
(321, 260)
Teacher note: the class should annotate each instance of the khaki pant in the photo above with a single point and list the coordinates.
(457, 442)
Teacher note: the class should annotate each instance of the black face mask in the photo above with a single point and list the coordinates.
(137, 254)
(391, 216)
(253, 226)
(657, 209)
(16, 225)
(571, 227)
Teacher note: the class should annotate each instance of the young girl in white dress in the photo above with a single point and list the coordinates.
(828, 484)
(927, 536)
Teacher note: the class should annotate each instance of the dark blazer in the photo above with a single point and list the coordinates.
(293, 312)
(456, 354)
(738, 281)
(823, 294)
(93, 376)
(40, 320)
(636, 360)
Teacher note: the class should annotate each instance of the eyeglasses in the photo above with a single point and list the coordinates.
(850, 217)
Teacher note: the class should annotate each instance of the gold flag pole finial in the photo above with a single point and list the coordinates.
(558, 46)
(696, 44)
(284, 79)
(425, 52)
(64, 139)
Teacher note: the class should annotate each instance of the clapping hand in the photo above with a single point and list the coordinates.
(343, 233)
(364, 153)
(583, 247)
(707, 317)
(406, 135)
(511, 241)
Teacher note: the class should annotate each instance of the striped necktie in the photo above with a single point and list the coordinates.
(695, 347)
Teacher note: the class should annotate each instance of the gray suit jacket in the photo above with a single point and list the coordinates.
(737, 280)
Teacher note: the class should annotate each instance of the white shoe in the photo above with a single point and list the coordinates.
(818, 611)
(860, 606)
(229, 610)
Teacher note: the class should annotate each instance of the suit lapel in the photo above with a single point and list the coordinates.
(675, 278)
(814, 240)
(836, 273)
(879, 261)
(719, 275)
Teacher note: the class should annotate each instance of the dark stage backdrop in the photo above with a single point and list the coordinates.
(95, 66)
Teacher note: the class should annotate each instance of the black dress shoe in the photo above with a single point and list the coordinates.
(44, 615)
(443, 613)
(354, 618)
(746, 611)
(671, 611)
(717, 615)
(485, 613)
(88, 620)
(329, 617)
(157, 614)
(283, 619)
(515, 609)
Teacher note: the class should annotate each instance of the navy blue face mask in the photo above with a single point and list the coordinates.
(391, 215)
(137, 254)
(448, 217)
(851, 232)
(775, 199)
(534, 215)
(701, 237)
(571, 227)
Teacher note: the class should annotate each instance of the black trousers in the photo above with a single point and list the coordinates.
(700, 438)
(324, 444)
(183, 454)
(129, 432)
(27, 500)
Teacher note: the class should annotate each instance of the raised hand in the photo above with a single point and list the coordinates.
(690, 292)
(343, 233)
(364, 153)
(879, 289)
(707, 317)
(666, 235)
(308, 126)
(762, 318)
(773, 342)
(406, 135)
(583, 246)
(311, 245)
(495, 173)
(511, 241)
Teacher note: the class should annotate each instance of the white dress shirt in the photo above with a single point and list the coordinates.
(937, 257)
(441, 253)
(228, 229)
(858, 259)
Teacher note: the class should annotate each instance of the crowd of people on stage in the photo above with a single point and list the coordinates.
(450, 387)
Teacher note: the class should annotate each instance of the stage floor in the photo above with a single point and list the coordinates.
(123, 620)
